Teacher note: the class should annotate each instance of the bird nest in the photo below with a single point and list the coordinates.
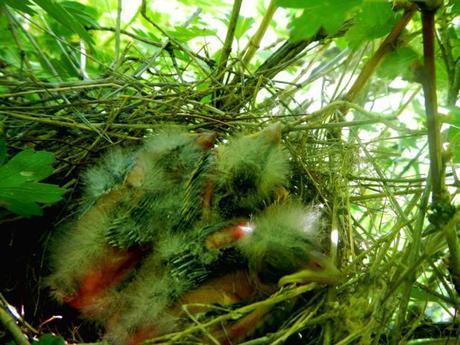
(80, 121)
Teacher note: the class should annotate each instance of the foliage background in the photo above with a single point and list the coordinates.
(77, 78)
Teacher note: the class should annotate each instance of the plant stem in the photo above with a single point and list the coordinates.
(254, 42)
(413, 253)
(117, 35)
(272, 300)
(10, 324)
(227, 48)
(429, 88)
(386, 46)
(440, 195)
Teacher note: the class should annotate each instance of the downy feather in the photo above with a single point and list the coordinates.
(283, 236)
(111, 171)
(75, 250)
(250, 169)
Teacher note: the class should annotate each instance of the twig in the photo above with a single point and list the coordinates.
(117, 35)
(227, 47)
(279, 297)
(10, 324)
(254, 42)
(386, 46)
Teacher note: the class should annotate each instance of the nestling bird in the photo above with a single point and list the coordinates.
(182, 222)
(131, 196)
(276, 247)
(250, 170)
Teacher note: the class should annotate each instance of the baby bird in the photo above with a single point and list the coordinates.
(241, 263)
(132, 196)
(250, 170)
(179, 222)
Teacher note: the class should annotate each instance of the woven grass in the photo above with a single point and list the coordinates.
(393, 266)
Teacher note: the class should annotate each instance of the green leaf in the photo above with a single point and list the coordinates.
(456, 7)
(453, 35)
(2, 151)
(149, 35)
(243, 25)
(374, 20)
(49, 339)
(202, 3)
(207, 98)
(453, 135)
(31, 165)
(20, 207)
(421, 295)
(328, 15)
(86, 15)
(20, 190)
(186, 34)
(61, 15)
(20, 5)
(292, 3)
(39, 192)
(401, 63)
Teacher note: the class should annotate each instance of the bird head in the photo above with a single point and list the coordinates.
(282, 247)
(174, 151)
(250, 169)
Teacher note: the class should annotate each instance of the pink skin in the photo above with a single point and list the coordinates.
(95, 284)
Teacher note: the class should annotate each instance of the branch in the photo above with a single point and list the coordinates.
(444, 214)
(285, 56)
(127, 33)
(386, 47)
(227, 48)
(10, 324)
(431, 104)
(254, 42)
(117, 34)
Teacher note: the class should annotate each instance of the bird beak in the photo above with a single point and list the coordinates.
(206, 140)
(320, 269)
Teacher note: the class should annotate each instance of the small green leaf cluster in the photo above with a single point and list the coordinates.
(60, 11)
(49, 339)
(363, 20)
(20, 189)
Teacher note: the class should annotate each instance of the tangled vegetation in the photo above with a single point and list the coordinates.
(367, 96)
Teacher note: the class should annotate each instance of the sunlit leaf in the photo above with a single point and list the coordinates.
(328, 15)
(374, 20)
(453, 135)
(202, 3)
(20, 5)
(146, 34)
(186, 34)
(243, 25)
(401, 62)
(86, 15)
(60, 14)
